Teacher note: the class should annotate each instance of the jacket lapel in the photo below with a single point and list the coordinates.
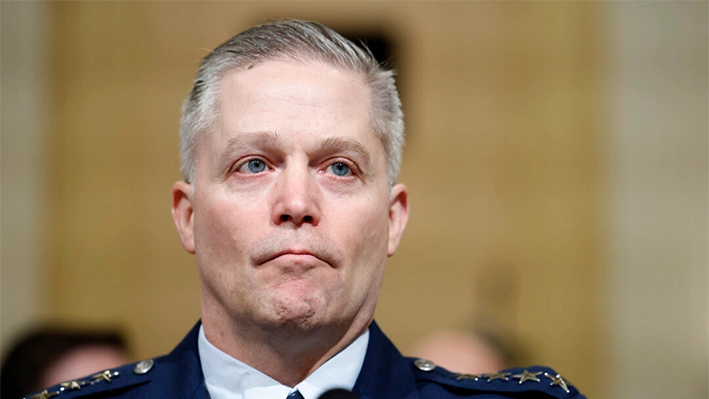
(385, 373)
(179, 374)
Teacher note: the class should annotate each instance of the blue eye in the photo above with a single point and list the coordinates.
(253, 166)
(340, 169)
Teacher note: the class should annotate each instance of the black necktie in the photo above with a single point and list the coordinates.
(295, 395)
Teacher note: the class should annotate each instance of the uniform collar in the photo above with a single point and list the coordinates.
(384, 374)
(229, 378)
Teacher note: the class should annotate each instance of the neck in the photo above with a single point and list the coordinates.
(287, 355)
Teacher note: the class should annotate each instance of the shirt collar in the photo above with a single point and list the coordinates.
(229, 378)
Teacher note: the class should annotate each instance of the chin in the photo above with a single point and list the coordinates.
(297, 312)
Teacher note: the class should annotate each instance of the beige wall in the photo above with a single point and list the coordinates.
(23, 79)
(507, 117)
(656, 173)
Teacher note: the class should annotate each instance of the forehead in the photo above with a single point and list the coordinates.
(313, 79)
(295, 99)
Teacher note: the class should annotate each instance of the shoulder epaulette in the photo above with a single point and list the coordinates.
(118, 379)
(535, 379)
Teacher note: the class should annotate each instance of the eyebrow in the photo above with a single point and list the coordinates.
(265, 139)
(340, 144)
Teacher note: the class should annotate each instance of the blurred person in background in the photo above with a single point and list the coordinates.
(291, 142)
(471, 350)
(48, 356)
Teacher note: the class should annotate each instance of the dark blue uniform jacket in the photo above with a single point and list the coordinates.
(385, 374)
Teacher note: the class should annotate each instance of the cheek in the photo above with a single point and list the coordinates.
(220, 235)
(367, 234)
(222, 243)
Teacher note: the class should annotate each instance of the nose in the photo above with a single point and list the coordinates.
(297, 199)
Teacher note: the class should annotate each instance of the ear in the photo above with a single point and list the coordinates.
(183, 214)
(398, 215)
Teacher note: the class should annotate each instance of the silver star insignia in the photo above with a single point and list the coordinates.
(467, 377)
(527, 376)
(498, 376)
(557, 380)
(105, 376)
(44, 395)
(71, 385)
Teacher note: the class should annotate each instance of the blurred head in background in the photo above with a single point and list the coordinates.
(48, 356)
(473, 351)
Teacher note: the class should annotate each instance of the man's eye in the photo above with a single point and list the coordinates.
(253, 166)
(340, 169)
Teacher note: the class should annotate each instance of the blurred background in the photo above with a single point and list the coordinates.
(556, 160)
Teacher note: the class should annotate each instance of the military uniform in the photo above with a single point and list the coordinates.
(385, 374)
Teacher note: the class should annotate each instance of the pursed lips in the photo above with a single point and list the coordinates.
(294, 256)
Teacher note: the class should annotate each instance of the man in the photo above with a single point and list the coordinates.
(290, 147)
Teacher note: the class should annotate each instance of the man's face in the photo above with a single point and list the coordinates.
(292, 217)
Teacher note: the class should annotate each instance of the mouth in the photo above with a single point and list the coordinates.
(294, 256)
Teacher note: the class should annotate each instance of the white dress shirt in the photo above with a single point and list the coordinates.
(229, 378)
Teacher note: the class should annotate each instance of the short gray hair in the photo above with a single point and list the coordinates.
(290, 40)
